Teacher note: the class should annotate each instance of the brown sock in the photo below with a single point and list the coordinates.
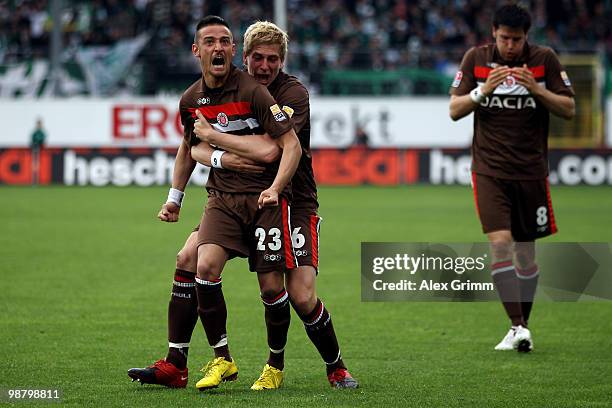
(508, 289)
(213, 314)
(278, 317)
(321, 332)
(528, 283)
(182, 317)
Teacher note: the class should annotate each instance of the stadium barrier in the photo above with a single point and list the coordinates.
(335, 122)
(353, 166)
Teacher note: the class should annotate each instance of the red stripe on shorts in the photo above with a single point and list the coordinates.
(475, 193)
(551, 215)
(289, 260)
(314, 222)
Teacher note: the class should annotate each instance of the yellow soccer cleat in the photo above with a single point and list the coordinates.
(216, 371)
(270, 379)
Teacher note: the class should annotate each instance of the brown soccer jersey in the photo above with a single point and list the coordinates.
(511, 125)
(293, 98)
(241, 107)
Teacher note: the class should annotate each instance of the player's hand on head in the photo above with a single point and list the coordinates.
(202, 128)
(268, 198)
(237, 163)
(496, 77)
(169, 212)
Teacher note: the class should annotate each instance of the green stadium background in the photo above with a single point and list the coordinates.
(86, 269)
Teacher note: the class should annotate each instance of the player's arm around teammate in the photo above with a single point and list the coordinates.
(203, 153)
(289, 161)
(259, 148)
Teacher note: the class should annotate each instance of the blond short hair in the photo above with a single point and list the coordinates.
(265, 33)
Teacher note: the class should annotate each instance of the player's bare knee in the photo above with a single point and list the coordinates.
(524, 255)
(269, 292)
(186, 260)
(303, 302)
(208, 270)
(501, 245)
(270, 288)
(501, 250)
(270, 283)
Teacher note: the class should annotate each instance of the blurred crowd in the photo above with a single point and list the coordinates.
(324, 34)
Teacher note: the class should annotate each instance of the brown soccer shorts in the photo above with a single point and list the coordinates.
(234, 222)
(523, 207)
(305, 236)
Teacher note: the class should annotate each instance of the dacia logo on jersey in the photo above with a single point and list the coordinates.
(565, 78)
(203, 101)
(457, 80)
(222, 119)
(509, 102)
(288, 111)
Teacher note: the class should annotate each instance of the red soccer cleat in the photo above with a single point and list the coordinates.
(162, 373)
(341, 378)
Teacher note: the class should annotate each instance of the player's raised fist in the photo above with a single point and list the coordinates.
(268, 198)
(169, 212)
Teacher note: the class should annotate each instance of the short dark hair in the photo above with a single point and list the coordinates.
(512, 15)
(209, 21)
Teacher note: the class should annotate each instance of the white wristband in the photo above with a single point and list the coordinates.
(476, 95)
(215, 159)
(175, 196)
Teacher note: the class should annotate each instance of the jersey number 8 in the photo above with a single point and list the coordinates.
(542, 216)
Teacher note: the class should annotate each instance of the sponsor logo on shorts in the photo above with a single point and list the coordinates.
(222, 119)
(457, 80)
(273, 257)
(301, 252)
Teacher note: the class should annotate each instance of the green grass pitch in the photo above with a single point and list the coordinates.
(86, 275)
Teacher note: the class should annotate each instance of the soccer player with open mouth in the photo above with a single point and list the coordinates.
(265, 50)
